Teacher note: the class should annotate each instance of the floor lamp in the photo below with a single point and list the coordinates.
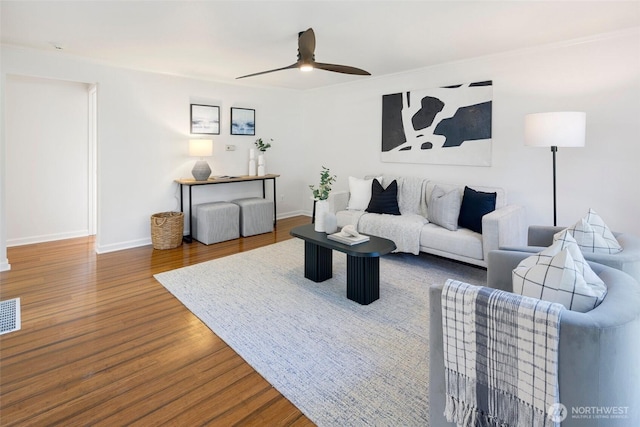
(557, 129)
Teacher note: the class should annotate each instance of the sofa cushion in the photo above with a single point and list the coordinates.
(560, 274)
(444, 208)
(462, 242)
(384, 200)
(501, 195)
(475, 205)
(359, 193)
(592, 235)
(348, 217)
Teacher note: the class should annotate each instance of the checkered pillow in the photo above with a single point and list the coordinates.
(593, 235)
(560, 274)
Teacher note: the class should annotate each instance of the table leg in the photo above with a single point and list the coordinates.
(363, 279)
(189, 238)
(181, 203)
(318, 262)
(274, 204)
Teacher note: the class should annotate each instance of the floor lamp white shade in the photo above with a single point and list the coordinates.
(201, 148)
(556, 129)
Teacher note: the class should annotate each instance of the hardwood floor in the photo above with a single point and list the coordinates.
(103, 343)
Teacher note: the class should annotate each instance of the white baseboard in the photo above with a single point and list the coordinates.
(46, 238)
(113, 247)
(5, 266)
(284, 215)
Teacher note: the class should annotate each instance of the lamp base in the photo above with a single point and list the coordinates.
(201, 171)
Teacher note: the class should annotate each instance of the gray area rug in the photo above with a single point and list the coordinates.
(339, 362)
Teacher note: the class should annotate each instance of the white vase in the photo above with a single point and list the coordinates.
(262, 166)
(322, 207)
(330, 223)
(252, 162)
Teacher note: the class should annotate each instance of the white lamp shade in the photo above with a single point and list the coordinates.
(557, 129)
(201, 147)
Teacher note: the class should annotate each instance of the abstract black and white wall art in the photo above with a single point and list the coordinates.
(448, 125)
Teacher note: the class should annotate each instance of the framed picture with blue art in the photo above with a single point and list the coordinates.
(205, 119)
(243, 121)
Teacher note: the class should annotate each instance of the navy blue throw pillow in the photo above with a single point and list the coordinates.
(475, 205)
(384, 200)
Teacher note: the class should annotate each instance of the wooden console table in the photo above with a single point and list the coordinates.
(224, 180)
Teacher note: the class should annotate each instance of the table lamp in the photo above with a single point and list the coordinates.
(201, 148)
(556, 129)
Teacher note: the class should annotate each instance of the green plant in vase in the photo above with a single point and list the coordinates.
(321, 205)
(262, 164)
(261, 146)
(323, 190)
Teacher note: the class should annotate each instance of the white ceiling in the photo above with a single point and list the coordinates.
(221, 40)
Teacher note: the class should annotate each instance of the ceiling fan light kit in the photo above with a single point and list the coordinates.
(307, 61)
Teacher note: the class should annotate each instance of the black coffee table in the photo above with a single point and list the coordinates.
(363, 262)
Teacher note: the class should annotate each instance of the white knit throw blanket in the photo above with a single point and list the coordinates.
(500, 357)
(404, 230)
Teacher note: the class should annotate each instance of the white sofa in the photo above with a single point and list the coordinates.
(413, 232)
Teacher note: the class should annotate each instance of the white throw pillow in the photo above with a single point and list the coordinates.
(360, 193)
(593, 235)
(560, 274)
(444, 208)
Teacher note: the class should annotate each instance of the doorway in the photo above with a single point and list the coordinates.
(51, 157)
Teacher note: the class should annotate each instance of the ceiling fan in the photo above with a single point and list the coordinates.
(307, 60)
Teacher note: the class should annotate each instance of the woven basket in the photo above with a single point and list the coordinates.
(166, 229)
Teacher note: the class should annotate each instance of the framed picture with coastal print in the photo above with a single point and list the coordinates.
(243, 121)
(205, 119)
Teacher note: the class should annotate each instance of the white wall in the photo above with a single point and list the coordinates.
(47, 162)
(143, 146)
(600, 76)
(4, 261)
(143, 133)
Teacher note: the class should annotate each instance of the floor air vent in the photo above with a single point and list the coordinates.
(9, 315)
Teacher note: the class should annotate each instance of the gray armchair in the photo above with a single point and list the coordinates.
(628, 260)
(599, 351)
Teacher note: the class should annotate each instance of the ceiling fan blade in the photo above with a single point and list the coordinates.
(306, 44)
(306, 59)
(345, 69)
(269, 71)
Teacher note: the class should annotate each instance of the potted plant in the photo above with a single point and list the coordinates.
(262, 166)
(320, 196)
(261, 146)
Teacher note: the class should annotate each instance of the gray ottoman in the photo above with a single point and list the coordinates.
(215, 222)
(256, 215)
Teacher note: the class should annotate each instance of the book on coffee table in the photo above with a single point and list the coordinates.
(348, 239)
